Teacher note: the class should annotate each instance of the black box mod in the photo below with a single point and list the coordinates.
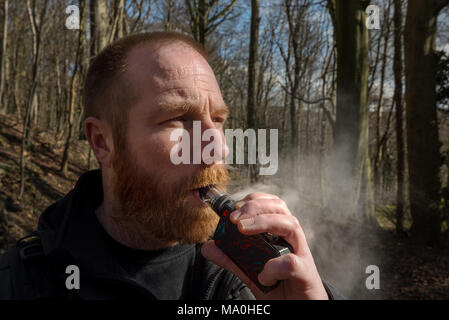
(249, 253)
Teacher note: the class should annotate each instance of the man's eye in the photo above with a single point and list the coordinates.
(181, 119)
(219, 120)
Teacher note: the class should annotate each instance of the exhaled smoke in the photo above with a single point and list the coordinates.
(341, 247)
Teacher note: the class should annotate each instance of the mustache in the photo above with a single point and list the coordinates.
(216, 175)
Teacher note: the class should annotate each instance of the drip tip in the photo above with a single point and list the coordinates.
(213, 197)
(210, 194)
(203, 191)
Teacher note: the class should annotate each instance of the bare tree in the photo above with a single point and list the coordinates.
(397, 67)
(423, 143)
(3, 73)
(73, 90)
(206, 16)
(252, 75)
(102, 24)
(351, 189)
(381, 141)
(299, 57)
(36, 21)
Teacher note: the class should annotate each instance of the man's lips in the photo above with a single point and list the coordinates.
(195, 193)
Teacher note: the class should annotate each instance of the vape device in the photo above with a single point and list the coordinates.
(249, 253)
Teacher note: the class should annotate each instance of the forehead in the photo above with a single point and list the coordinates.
(170, 70)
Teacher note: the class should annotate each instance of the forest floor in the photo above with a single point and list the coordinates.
(407, 271)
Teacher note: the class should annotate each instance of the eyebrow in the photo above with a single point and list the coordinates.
(221, 109)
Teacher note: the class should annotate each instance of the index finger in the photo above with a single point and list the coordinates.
(254, 196)
(259, 195)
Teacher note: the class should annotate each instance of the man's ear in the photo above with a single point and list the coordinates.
(99, 135)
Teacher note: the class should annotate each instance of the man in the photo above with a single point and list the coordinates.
(137, 228)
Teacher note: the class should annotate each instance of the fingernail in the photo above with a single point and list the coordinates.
(245, 223)
(236, 214)
(239, 204)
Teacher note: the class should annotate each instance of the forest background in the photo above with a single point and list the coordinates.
(359, 96)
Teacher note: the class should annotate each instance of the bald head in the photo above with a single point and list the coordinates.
(172, 74)
(109, 89)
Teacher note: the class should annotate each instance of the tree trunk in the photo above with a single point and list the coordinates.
(168, 22)
(252, 75)
(17, 101)
(36, 30)
(72, 95)
(293, 122)
(397, 68)
(421, 117)
(101, 24)
(92, 29)
(3, 74)
(117, 29)
(202, 21)
(350, 168)
(378, 154)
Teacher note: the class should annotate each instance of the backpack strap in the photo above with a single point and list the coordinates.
(18, 255)
(32, 272)
(30, 249)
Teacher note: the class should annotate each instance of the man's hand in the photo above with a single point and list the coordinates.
(297, 273)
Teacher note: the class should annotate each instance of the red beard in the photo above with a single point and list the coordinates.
(148, 204)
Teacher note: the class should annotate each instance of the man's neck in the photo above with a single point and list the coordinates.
(131, 236)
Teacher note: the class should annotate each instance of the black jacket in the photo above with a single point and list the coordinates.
(67, 234)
